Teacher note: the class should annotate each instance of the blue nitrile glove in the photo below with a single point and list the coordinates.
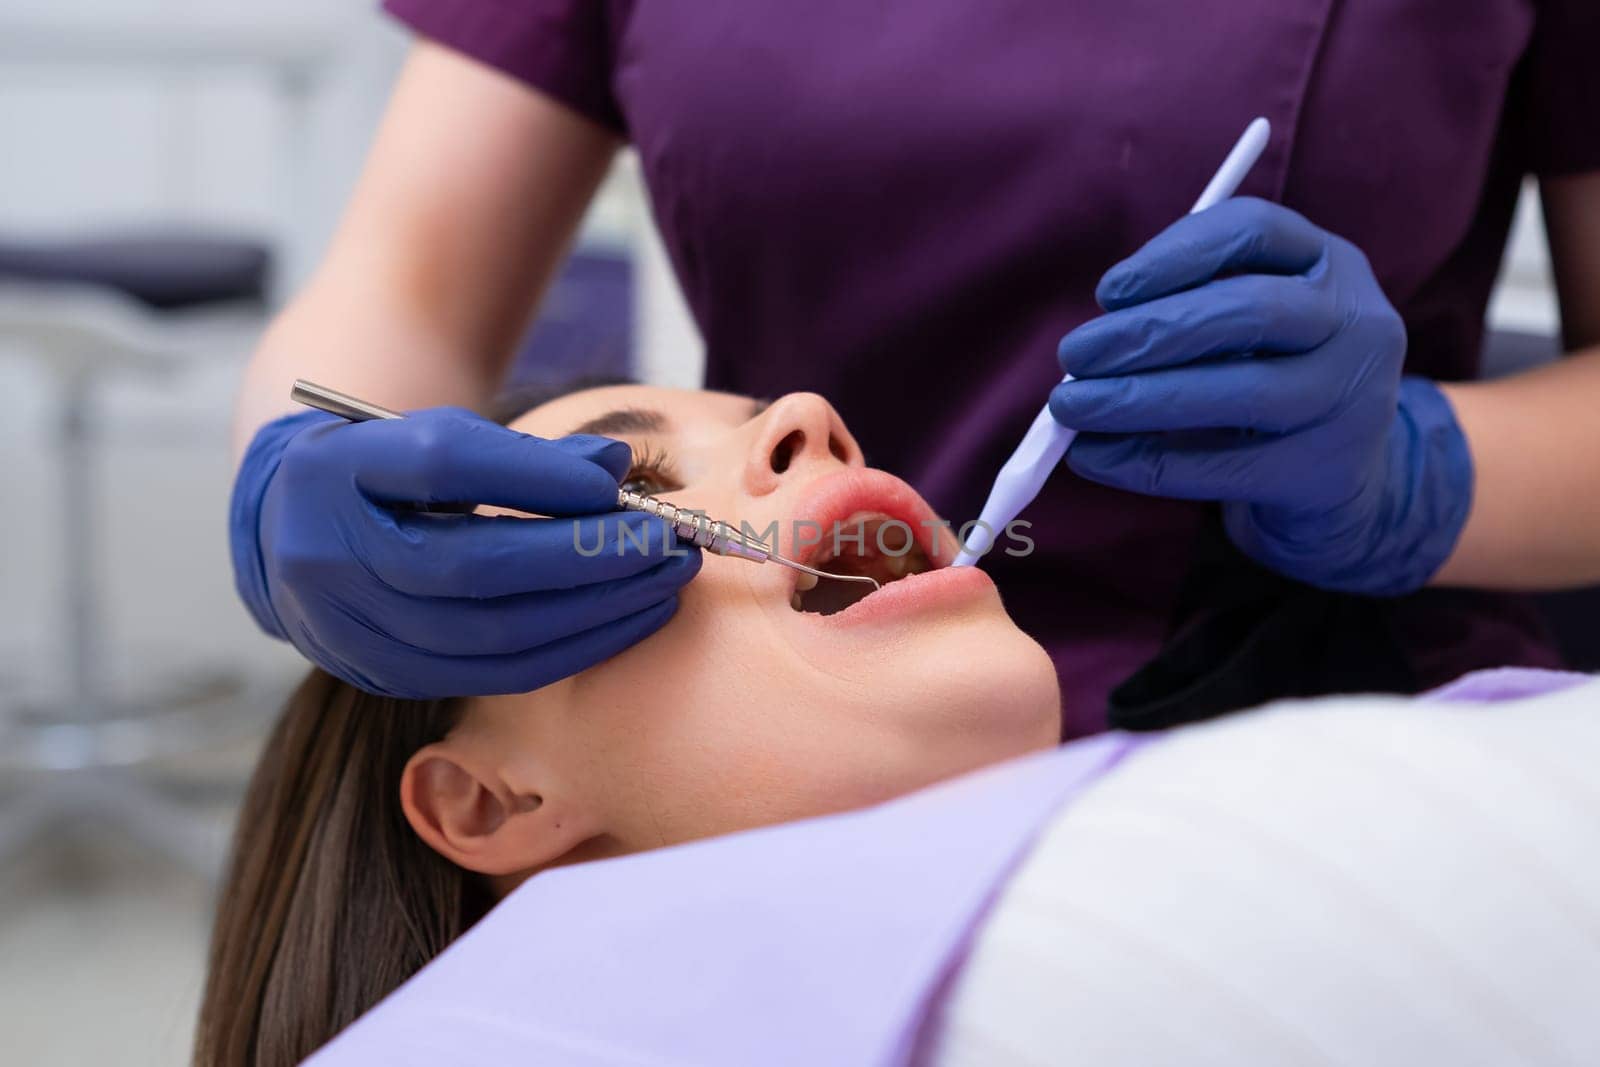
(1249, 357)
(332, 551)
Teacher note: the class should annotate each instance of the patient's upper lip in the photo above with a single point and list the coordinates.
(835, 497)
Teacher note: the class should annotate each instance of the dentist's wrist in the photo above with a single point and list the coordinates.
(1393, 537)
(1429, 489)
(250, 485)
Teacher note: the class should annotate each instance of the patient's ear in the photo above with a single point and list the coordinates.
(461, 804)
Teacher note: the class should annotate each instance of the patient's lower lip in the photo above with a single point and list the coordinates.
(929, 591)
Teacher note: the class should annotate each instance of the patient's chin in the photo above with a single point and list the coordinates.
(996, 699)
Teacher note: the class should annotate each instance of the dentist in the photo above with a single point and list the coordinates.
(1288, 479)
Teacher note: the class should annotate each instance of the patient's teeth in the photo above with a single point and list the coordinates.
(897, 565)
(806, 582)
(795, 602)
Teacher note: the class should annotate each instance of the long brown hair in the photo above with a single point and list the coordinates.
(330, 899)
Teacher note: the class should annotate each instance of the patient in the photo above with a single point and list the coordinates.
(375, 830)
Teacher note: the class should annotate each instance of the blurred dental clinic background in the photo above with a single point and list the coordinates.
(169, 171)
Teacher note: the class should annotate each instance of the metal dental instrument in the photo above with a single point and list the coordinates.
(1046, 441)
(692, 526)
(703, 532)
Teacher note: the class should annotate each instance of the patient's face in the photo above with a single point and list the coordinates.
(745, 710)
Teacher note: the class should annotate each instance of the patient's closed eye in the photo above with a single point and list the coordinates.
(651, 473)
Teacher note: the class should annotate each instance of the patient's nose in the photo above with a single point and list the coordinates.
(797, 431)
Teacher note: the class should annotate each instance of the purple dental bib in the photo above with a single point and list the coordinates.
(819, 942)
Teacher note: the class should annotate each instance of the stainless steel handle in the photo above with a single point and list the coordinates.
(336, 403)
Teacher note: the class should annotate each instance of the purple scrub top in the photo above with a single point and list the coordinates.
(904, 204)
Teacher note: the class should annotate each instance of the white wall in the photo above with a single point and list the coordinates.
(91, 141)
(106, 125)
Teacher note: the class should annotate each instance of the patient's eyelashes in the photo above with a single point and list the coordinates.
(651, 473)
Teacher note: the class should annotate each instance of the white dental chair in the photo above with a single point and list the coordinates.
(72, 740)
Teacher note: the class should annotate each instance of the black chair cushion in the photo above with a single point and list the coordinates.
(162, 270)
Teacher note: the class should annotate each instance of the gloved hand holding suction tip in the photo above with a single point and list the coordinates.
(1248, 357)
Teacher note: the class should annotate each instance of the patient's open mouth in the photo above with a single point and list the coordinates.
(871, 544)
(866, 522)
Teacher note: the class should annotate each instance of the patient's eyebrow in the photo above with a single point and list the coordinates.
(625, 420)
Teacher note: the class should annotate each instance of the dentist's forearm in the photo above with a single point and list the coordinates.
(1535, 441)
(370, 344)
(469, 201)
